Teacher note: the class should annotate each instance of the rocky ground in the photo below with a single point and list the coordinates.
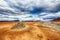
(32, 30)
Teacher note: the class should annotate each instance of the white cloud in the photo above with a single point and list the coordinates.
(27, 4)
(16, 5)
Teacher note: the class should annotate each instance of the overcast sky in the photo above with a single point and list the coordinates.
(26, 10)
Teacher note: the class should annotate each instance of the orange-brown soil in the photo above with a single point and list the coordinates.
(31, 31)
